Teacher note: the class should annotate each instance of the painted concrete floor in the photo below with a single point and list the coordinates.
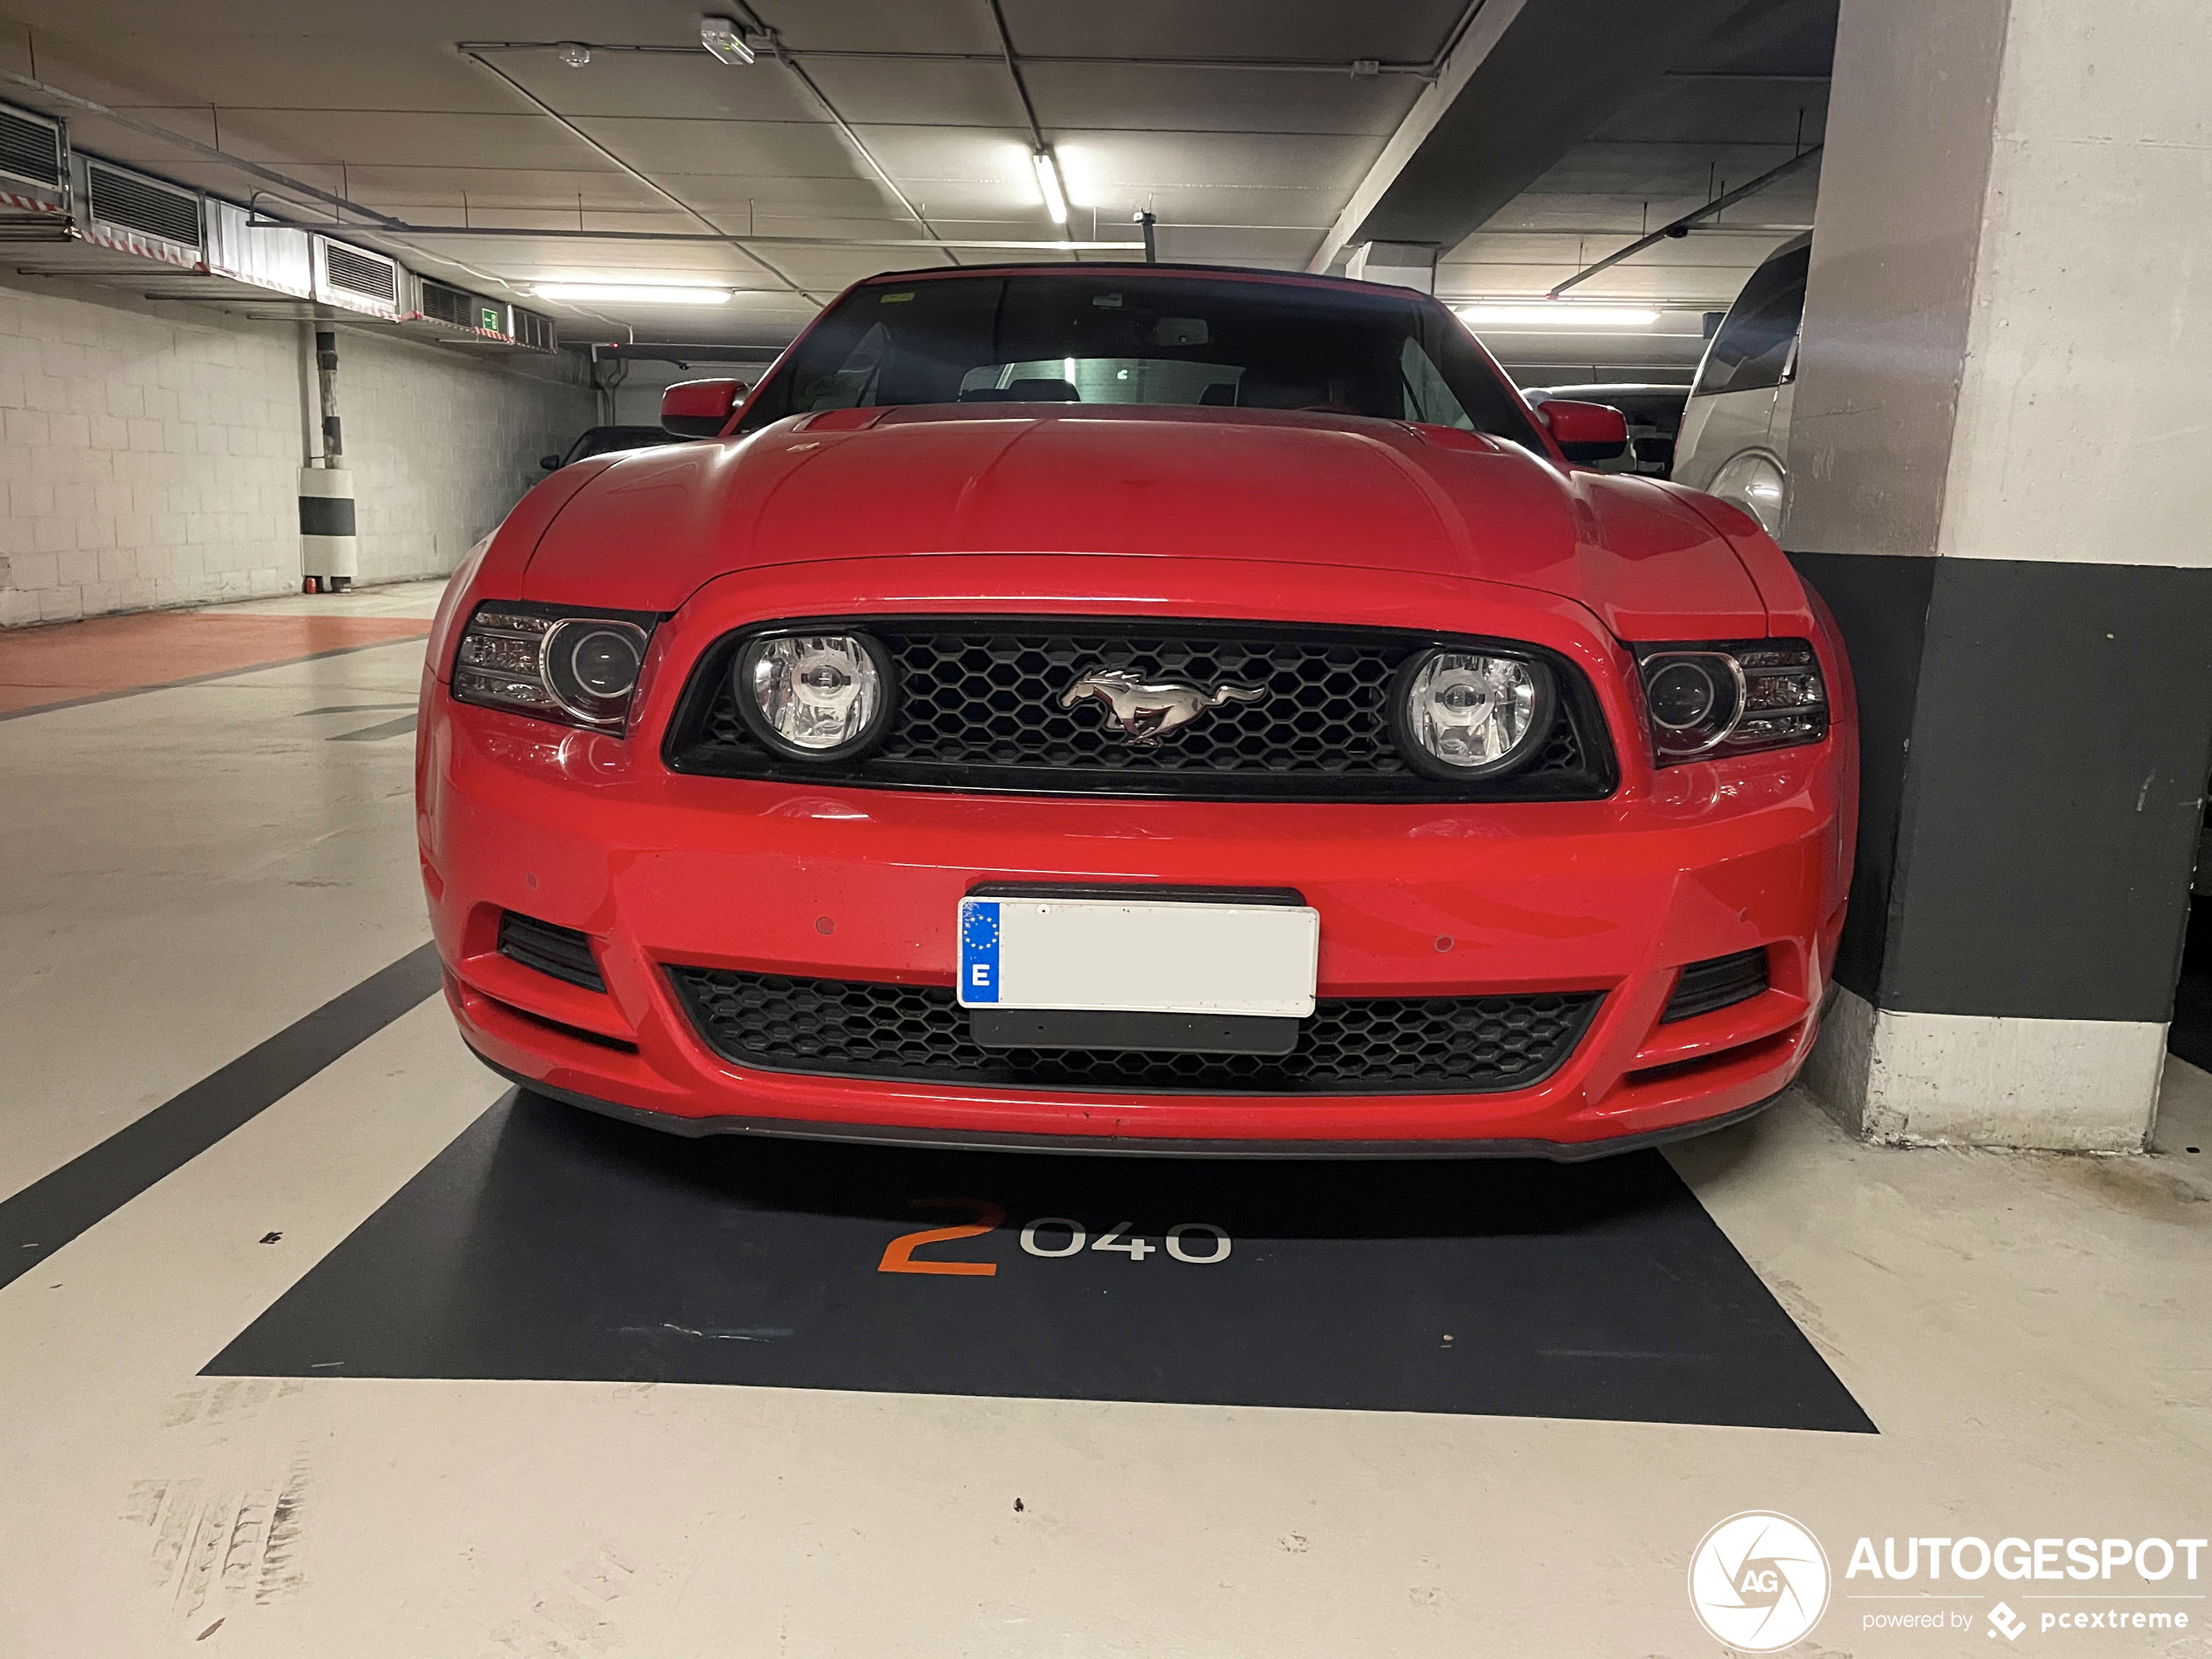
(192, 870)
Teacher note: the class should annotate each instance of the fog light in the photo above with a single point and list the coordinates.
(1468, 714)
(816, 696)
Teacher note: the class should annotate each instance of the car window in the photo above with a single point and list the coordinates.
(1129, 337)
(1752, 348)
(1428, 395)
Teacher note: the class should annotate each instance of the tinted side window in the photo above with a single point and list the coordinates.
(1752, 346)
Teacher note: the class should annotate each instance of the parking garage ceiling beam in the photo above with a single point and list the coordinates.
(1527, 80)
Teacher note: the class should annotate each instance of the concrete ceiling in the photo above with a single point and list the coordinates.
(1238, 122)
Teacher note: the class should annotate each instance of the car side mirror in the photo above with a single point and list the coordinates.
(1584, 431)
(552, 463)
(699, 409)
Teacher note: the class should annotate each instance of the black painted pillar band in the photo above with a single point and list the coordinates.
(2036, 737)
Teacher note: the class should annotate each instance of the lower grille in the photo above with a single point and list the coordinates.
(1433, 1045)
(1717, 983)
(561, 952)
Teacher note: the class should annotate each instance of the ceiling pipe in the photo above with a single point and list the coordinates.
(1259, 65)
(1680, 227)
(670, 197)
(571, 234)
(776, 49)
(370, 217)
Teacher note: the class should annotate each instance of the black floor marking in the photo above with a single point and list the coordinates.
(379, 732)
(548, 1244)
(50, 1212)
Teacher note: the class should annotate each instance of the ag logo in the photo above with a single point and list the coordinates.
(1758, 1581)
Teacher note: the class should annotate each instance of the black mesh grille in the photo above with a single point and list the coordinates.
(979, 708)
(140, 204)
(1441, 1045)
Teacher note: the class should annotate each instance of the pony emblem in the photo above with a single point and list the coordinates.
(1144, 711)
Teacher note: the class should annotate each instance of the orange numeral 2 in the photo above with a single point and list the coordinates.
(899, 1254)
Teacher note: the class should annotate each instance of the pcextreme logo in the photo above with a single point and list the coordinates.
(1758, 1581)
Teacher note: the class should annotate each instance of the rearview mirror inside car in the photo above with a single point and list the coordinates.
(699, 409)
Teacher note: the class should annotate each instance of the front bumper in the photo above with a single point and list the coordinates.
(587, 832)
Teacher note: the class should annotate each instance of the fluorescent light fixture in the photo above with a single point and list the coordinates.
(722, 36)
(1056, 199)
(1545, 315)
(636, 293)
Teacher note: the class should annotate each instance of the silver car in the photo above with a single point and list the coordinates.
(1735, 437)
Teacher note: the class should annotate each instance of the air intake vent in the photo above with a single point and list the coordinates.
(1718, 983)
(533, 330)
(448, 305)
(362, 273)
(131, 202)
(31, 149)
(561, 952)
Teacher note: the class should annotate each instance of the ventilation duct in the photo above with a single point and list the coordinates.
(134, 204)
(31, 150)
(357, 279)
(453, 306)
(533, 329)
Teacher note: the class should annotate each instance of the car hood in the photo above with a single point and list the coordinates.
(1146, 483)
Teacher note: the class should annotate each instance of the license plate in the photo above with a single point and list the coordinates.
(1144, 955)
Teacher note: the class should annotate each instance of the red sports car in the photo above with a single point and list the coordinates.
(1137, 708)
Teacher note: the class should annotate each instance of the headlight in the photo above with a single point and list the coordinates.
(1758, 484)
(815, 696)
(1731, 698)
(574, 667)
(1468, 714)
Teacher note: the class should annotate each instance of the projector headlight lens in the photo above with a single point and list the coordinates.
(1732, 697)
(815, 696)
(1469, 714)
(579, 668)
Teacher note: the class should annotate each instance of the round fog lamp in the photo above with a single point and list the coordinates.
(1466, 714)
(591, 666)
(820, 696)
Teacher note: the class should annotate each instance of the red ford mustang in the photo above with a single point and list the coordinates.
(1137, 708)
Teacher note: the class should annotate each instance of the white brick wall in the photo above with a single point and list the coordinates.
(150, 453)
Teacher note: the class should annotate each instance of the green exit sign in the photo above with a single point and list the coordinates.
(487, 319)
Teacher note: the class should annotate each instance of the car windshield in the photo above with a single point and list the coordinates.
(605, 440)
(1122, 337)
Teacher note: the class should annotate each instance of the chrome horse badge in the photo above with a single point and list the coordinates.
(1145, 710)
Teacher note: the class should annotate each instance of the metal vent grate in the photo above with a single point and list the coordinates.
(361, 273)
(533, 329)
(141, 205)
(30, 150)
(1364, 1045)
(450, 305)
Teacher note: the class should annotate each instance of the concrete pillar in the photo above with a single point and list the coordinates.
(1410, 265)
(2000, 484)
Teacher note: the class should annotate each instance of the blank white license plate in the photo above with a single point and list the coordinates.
(1149, 957)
